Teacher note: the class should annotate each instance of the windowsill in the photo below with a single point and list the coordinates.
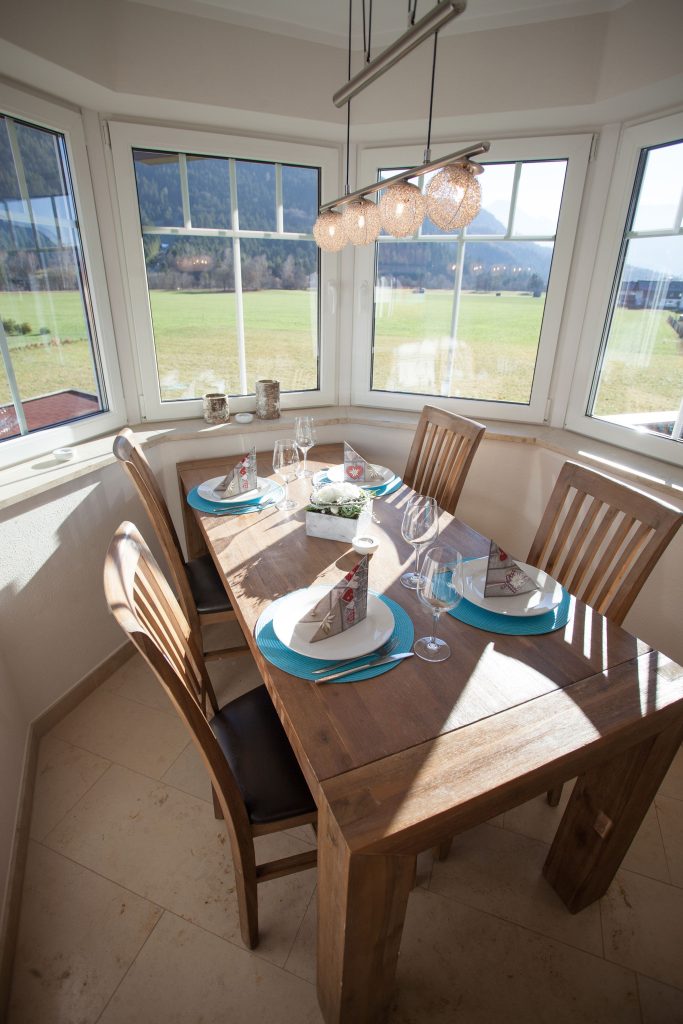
(37, 476)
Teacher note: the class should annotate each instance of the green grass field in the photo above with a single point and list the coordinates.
(493, 358)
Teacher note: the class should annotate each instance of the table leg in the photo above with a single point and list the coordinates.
(362, 903)
(605, 811)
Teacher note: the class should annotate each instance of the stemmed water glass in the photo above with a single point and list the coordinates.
(286, 464)
(440, 589)
(305, 438)
(420, 527)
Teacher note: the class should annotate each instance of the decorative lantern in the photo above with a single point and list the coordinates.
(453, 197)
(402, 209)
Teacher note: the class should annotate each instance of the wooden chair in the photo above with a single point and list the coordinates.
(197, 582)
(441, 455)
(258, 787)
(601, 539)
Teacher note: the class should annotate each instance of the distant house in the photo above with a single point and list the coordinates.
(655, 294)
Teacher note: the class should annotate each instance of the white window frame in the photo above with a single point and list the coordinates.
(576, 150)
(68, 123)
(634, 139)
(125, 138)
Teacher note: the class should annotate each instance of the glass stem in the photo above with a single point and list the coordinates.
(417, 560)
(305, 450)
(435, 625)
(286, 486)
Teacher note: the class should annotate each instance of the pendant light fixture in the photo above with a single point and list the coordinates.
(453, 196)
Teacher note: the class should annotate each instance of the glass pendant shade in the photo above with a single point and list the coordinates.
(402, 209)
(361, 222)
(453, 198)
(329, 232)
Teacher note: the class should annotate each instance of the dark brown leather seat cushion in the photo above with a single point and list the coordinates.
(206, 586)
(263, 763)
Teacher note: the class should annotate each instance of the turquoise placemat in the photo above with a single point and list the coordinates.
(277, 654)
(514, 625)
(202, 505)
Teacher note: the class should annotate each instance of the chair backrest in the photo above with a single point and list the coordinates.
(441, 455)
(147, 611)
(601, 538)
(140, 472)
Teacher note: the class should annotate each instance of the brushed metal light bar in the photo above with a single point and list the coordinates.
(416, 34)
(433, 165)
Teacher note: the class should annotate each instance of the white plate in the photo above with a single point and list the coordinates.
(547, 597)
(364, 638)
(336, 475)
(206, 491)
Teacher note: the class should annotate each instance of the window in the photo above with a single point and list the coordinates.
(473, 316)
(224, 240)
(629, 385)
(51, 372)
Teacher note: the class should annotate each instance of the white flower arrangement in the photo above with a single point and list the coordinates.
(345, 500)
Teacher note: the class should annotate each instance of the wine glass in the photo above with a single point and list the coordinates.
(440, 589)
(420, 527)
(286, 464)
(304, 430)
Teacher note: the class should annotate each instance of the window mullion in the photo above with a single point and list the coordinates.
(237, 272)
(513, 199)
(279, 208)
(455, 312)
(184, 189)
(12, 381)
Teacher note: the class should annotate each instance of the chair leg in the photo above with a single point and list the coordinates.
(554, 795)
(218, 813)
(443, 849)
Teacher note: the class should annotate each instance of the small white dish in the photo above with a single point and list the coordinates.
(64, 454)
(547, 597)
(361, 639)
(243, 417)
(365, 544)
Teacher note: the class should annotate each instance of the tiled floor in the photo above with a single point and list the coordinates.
(129, 912)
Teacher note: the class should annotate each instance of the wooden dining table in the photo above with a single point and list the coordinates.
(400, 763)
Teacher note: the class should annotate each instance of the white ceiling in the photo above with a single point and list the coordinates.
(327, 20)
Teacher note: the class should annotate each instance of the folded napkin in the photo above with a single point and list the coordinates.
(357, 470)
(342, 607)
(504, 578)
(241, 479)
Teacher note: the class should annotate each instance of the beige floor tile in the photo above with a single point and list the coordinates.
(536, 818)
(659, 1004)
(63, 774)
(78, 935)
(646, 854)
(136, 681)
(460, 965)
(189, 774)
(642, 923)
(670, 815)
(168, 847)
(302, 958)
(185, 975)
(125, 731)
(500, 872)
(673, 783)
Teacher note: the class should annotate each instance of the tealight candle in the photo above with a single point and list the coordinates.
(364, 544)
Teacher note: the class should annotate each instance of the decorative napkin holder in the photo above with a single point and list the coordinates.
(241, 479)
(338, 512)
(344, 606)
(356, 469)
(504, 578)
